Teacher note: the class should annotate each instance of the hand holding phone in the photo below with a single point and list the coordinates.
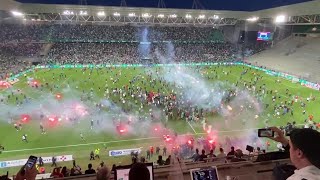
(28, 171)
(265, 133)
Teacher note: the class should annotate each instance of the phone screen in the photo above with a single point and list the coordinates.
(31, 162)
(265, 133)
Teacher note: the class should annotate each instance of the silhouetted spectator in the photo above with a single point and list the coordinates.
(139, 171)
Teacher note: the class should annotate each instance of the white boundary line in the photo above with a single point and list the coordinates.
(75, 145)
(192, 128)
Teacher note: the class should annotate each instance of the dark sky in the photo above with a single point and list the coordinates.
(239, 5)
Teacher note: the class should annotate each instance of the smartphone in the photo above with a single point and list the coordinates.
(31, 161)
(265, 133)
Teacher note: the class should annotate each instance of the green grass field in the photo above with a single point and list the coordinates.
(64, 138)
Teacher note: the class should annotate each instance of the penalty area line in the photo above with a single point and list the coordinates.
(75, 145)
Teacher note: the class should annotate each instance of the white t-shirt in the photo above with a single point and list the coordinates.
(309, 173)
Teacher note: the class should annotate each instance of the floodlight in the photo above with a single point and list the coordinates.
(116, 14)
(68, 12)
(16, 13)
(160, 16)
(215, 17)
(83, 13)
(173, 16)
(253, 19)
(280, 19)
(146, 15)
(188, 16)
(101, 13)
(201, 16)
(132, 15)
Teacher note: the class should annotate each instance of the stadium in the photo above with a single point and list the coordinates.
(183, 88)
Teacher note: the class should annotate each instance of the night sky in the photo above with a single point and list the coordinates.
(235, 5)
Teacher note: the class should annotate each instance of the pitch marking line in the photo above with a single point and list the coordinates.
(75, 145)
(192, 128)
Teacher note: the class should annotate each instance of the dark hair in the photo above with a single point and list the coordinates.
(89, 166)
(203, 151)
(307, 140)
(221, 149)
(232, 148)
(139, 171)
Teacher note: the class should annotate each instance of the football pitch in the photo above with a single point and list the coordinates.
(65, 101)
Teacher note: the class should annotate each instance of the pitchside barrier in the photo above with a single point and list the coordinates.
(289, 77)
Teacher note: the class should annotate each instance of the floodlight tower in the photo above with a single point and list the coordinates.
(161, 4)
(83, 2)
(197, 4)
(123, 3)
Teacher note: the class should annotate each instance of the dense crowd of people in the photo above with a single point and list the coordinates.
(78, 32)
(102, 44)
(133, 53)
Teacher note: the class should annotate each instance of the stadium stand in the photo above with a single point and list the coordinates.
(300, 52)
(53, 43)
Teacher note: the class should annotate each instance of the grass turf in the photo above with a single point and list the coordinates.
(65, 140)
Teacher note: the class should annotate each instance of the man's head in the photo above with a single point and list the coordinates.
(232, 148)
(305, 147)
(139, 171)
(203, 151)
(89, 166)
(221, 150)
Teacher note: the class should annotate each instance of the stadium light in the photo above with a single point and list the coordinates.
(131, 14)
(201, 16)
(253, 19)
(84, 13)
(160, 16)
(188, 16)
(16, 13)
(116, 14)
(173, 16)
(68, 12)
(146, 15)
(101, 13)
(280, 19)
(215, 17)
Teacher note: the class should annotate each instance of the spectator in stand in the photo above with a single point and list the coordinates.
(139, 171)
(90, 170)
(65, 171)
(160, 161)
(195, 157)
(221, 156)
(211, 155)
(304, 149)
(203, 155)
(237, 156)
(73, 172)
(25, 173)
(113, 168)
(103, 172)
(168, 160)
(142, 159)
(231, 153)
(56, 173)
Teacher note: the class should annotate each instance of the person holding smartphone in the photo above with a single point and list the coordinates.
(29, 170)
(304, 149)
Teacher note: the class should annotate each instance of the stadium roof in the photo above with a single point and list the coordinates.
(230, 5)
(223, 10)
